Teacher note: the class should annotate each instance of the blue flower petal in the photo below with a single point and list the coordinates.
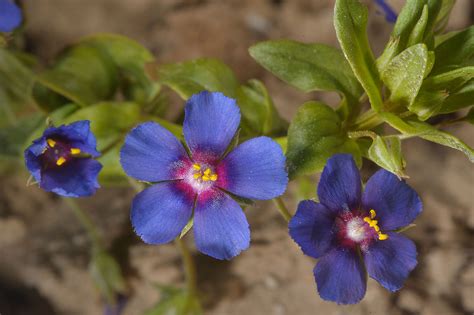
(77, 134)
(210, 122)
(76, 178)
(341, 277)
(390, 261)
(395, 203)
(312, 228)
(255, 169)
(340, 186)
(390, 15)
(33, 163)
(10, 16)
(151, 153)
(160, 212)
(220, 227)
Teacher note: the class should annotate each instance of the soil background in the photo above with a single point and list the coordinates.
(44, 252)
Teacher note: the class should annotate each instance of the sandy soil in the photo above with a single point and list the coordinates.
(44, 251)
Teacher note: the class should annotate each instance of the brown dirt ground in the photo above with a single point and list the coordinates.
(44, 252)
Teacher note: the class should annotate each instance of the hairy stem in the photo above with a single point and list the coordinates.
(282, 209)
(86, 222)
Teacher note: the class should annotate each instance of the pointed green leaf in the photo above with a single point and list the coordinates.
(414, 128)
(190, 77)
(350, 21)
(418, 31)
(462, 98)
(308, 67)
(314, 135)
(404, 74)
(456, 51)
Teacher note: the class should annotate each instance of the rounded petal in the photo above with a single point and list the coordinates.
(341, 277)
(220, 227)
(10, 16)
(76, 178)
(390, 261)
(312, 228)
(210, 122)
(160, 212)
(340, 186)
(151, 153)
(255, 170)
(395, 203)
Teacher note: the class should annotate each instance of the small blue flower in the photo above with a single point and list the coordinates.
(61, 160)
(200, 183)
(349, 228)
(389, 13)
(10, 16)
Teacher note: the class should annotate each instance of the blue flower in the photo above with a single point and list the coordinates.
(61, 160)
(390, 15)
(10, 16)
(203, 182)
(348, 229)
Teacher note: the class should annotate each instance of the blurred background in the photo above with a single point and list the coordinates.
(44, 252)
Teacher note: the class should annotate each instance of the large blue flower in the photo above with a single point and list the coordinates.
(389, 13)
(61, 160)
(203, 182)
(10, 16)
(349, 228)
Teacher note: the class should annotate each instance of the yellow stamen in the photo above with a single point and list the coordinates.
(75, 150)
(197, 167)
(372, 213)
(376, 228)
(207, 172)
(367, 219)
(197, 175)
(51, 143)
(373, 223)
(205, 178)
(382, 236)
(60, 161)
(213, 177)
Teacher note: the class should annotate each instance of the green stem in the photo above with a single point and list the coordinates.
(282, 209)
(86, 222)
(189, 266)
(367, 121)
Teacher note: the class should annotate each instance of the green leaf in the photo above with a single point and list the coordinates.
(16, 82)
(443, 16)
(462, 98)
(436, 89)
(82, 75)
(404, 74)
(414, 128)
(308, 67)
(315, 134)
(107, 275)
(456, 51)
(470, 116)
(386, 152)
(259, 115)
(132, 59)
(14, 137)
(350, 21)
(418, 31)
(176, 302)
(190, 77)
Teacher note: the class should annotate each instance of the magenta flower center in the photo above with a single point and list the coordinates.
(58, 153)
(356, 228)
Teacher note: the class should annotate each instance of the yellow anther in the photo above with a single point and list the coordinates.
(373, 223)
(51, 143)
(197, 167)
(382, 236)
(376, 228)
(75, 150)
(367, 219)
(60, 161)
(205, 178)
(372, 213)
(197, 175)
(213, 177)
(207, 172)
